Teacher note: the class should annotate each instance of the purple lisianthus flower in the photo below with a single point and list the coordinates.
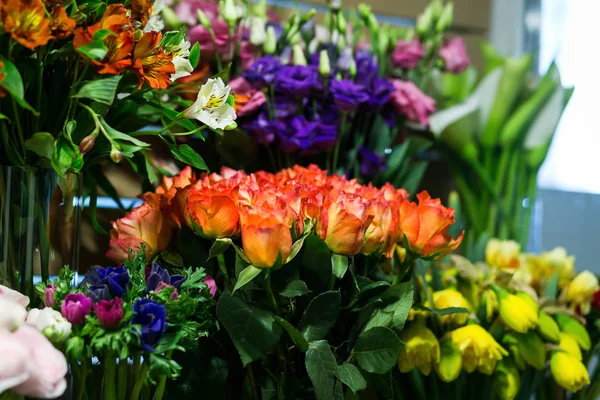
(75, 307)
(297, 80)
(262, 128)
(379, 93)
(315, 57)
(263, 71)
(455, 56)
(344, 61)
(324, 139)
(370, 162)
(408, 54)
(286, 106)
(347, 94)
(158, 274)
(366, 69)
(151, 316)
(297, 135)
(109, 312)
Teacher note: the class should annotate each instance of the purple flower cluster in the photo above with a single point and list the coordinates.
(106, 283)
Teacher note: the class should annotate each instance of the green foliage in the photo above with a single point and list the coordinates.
(377, 350)
(321, 367)
(320, 315)
(100, 90)
(351, 376)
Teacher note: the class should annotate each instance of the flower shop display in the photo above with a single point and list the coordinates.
(121, 326)
(347, 96)
(528, 332)
(496, 132)
(78, 83)
(313, 273)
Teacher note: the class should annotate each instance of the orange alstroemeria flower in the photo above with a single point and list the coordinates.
(26, 22)
(343, 223)
(62, 26)
(120, 45)
(141, 10)
(144, 225)
(151, 64)
(2, 91)
(425, 227)
(209, 211)
(266, 236)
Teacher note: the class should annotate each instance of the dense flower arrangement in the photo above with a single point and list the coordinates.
(301, 259)
(321, 94)
(136, 312)
(525, 313)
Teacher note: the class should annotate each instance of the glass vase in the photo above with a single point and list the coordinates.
(39, 225)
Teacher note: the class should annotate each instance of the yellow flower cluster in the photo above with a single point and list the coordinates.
(514, 311)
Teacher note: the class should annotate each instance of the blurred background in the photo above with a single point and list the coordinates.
(567, 211)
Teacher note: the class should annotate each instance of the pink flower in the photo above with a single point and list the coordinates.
(212, 285)
(162, 285)
(223, 45)
(455, 56)
(409, 101)
(187, 10)
(49, 296)
(109, 312)
(407, 54)
(75, 307)
(14, 296)
(247, 99)
(246, 54)
(30, 365)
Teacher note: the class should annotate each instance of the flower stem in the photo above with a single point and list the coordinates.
(110, 370)
(82, 380)
(338, 142)
(140, 379)
(122, 379)
(160, 388)
(270, 292)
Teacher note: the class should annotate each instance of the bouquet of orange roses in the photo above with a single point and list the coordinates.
(313, 274)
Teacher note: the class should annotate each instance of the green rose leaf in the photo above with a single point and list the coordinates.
(315, 262)
(100, 90)
(351, 376)
(339, 265)
(186, 154)
(294, 334)
(377, 350)
(294, 289)
(321, 367)
(253, 331)
(247, 274)
(218, 247)
(320, 315)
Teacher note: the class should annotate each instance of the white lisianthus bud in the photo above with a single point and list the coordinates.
(271, 41)
(258, 33)
(324, 64)
(230, 12)
(299, 57)
(203, 19)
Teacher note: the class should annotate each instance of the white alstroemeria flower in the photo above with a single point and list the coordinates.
(211, 107)
(155, 22)
(183, 67)
(51, 323)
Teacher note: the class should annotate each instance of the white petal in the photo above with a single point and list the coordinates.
(183, 67)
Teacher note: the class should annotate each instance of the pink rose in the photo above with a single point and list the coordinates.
(247, 99)
(14, 296)
(30, 365)
(145, 225)
(187, 10)
(407, 54)
(455, 56)
(409, 101)
(212, 285)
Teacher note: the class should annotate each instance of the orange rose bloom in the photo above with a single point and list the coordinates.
(144, 225)
(62, 26)
(343, 223)
(26, 22)
(266, 236)
(426, 225)
(374, 237)
(151, 64)
(120, 46)
(209, 211)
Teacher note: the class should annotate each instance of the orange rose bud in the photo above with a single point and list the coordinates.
(151, 64)
(425, 227)
(26, 22)
(343, 223)
(209, 211)
(144, 225)
(266, 236)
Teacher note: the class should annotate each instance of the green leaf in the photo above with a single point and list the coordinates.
(66, 157)
(120, 136)
(253, 331)
(296, 247)
(294, 289)
(218, 247)
(223, 74)
(321, 367)
(398, 299)
(172, 257)
(95, 50)
(315, 262)
(320, 315)
(380, 318)
(172, 38)
(100, 90)
(351, 376)
(339, 265)
(13, 84)
(186, 154)
(532, 348)
(194, 56)
(377, 350)
(249, 273)
(551, 290)
(42, 144)
(417, 170)
(294, 334)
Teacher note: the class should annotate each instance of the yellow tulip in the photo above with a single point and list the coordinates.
(557, 260)
(451, 298)
(548, 328)
(568, 372)
(478, 348)
(448, 369)
(507, 380)
(581, 289)
(518, 314)
(421, 349)
(568, 344)
(503, 254)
